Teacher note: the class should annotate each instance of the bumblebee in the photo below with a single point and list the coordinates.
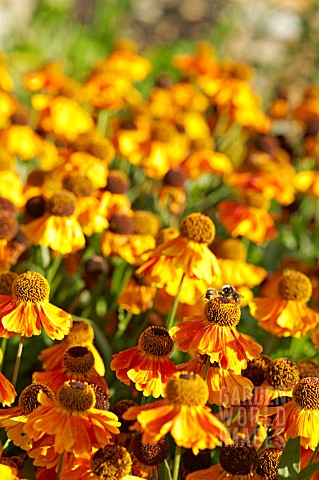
(229, 291)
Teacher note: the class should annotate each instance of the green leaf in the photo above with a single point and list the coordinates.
(308, 471)
(289, 465)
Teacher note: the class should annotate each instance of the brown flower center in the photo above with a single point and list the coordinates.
(31, 287)
(186, 389)
(176, 177)
(308, 368)
(117, 182)
(119, 409)
(306, 393)
(283, 374)
(198, 227)
(268, 461)
(193, 462)
(112, 462)
(80, 185)
(223, 311)
(239, 459)
(122, 224)
(150, 455)
(8, 225)
(156, 341)
(28, 400)
(101, 398)
(295, 286)
(61, 204)
(35, 206)
(6, 282)
(78, 360)
(76, 396)
(256, 368)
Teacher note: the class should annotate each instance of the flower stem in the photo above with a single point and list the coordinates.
(60, 466)
(4, 342)
(177, 460)
(172, 313)
(123, 324)
(206, 367)
(17, 364)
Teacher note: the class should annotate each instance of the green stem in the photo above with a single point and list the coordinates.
(17, 364)
(143, 400)
(123, 324)
(206, 367)
(172, 313)
(4, 342)
(313, 456)
(60, 466)
(102, 122)
(167, 471)
(177, 460)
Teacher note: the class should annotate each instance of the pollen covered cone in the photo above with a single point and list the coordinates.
(148, 364)
(187, 254)
(281, 377)
(58, 227)
(182, 413)
(29, 307)
(215, 334)
(238, 461)
(249, 219)
(112, 462)
(73, 421)
(81, 333)
(287, 314)
(300, 416)
(224, 386)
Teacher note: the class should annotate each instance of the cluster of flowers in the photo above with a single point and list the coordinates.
(97, 178)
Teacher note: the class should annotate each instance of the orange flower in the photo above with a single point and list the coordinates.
(7, 391)
(113, 198)
(81, 333)
(300, 416)
(183, 413)
(57, 228)
(137, 296)
(90, 466)
(250, 220)
(235, 461)
(11, 185)
(22, 141)
(214, 334)
(286, 314)
(29, 306)
(148, 365)
(231, 254)
(225, 388)
(77, 365)
(130, 237)
(13, 419)
(76, 425)
(187, 254)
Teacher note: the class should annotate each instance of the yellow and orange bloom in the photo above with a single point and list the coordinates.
(137, 295)
(187, 254)
(90, 466)
(77, 365)
(28, 307)
(250, 220)
(299, 417)
(148, 365)
(231, 254)
(225, 388)
(13, 419)
(286, 313)
(58, 227)
(113, 198)
(182, 413)
(11, 185)
(22, 141)
(214, 333)
(73, 421)
(7, 391)
(81, 333)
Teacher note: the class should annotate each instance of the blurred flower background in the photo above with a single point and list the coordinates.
(277, 36)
